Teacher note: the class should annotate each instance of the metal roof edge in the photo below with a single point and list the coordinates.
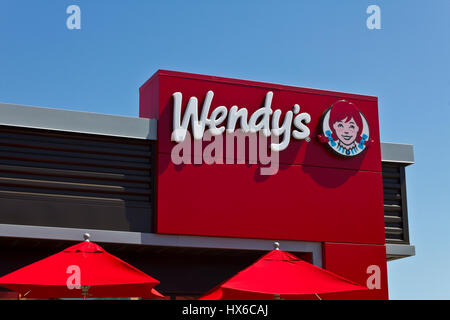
(77, 121)
(397, 153)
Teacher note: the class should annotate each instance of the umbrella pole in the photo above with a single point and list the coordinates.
(318, 296)
(84, 291)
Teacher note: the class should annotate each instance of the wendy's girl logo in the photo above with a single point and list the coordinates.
(345, 129)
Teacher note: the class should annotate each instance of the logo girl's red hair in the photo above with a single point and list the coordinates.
(345, 110)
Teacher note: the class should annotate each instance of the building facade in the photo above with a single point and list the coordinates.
(161, 194)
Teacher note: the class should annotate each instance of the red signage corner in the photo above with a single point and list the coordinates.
(327, 187)
(316, 195)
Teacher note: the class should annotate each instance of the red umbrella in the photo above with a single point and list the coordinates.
(281, 275)
(83, 270)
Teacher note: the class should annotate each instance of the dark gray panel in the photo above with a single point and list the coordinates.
(395, 209)
(72, 180)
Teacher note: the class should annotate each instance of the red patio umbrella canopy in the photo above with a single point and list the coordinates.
(100, 274)
(279, 274)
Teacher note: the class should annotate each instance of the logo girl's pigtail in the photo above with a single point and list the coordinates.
(330, 137)
(358, 139)
(364, 141)
(334, 136)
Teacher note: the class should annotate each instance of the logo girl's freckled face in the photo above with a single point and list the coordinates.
(346, 131)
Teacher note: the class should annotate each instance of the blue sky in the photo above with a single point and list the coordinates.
(317, 44)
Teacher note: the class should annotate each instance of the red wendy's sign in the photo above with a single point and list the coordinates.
(326, 185)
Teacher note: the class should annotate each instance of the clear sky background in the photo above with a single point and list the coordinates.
(316, 44)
